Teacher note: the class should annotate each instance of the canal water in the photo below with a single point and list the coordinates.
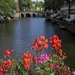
(19, 35)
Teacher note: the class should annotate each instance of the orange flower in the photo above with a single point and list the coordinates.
(25, 55)
(46, 41)
(42, 37)
(46, 46)
(40, 42)
(51, 66)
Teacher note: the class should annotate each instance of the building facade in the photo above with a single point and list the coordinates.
(65, 8)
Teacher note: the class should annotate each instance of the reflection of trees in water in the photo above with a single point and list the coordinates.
(6, 28)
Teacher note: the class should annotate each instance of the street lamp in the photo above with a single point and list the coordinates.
(69, 6)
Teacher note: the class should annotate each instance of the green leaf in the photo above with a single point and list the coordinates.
(38, 71)
(51, 60)
(38, 68)
(45, 61)
(54, 61)
(25, 69)
(52, 73)
(41, 73)
(20, 62)
(13, 61)
(18, 67)
(55, 55)
(60, 58)
(47, 69)
(16, 72)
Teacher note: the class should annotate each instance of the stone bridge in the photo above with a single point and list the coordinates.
(32, 14)
(28, 13)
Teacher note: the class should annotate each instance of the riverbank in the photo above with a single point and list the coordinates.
(8, 18)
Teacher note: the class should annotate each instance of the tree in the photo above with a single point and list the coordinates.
(39, 5)
(25, 4)
(53, 4)
(7, 6)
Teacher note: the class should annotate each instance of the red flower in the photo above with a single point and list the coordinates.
(5, 73)
(56, 42)
(27, 59)
(7, 53)
(9, 63)
(39, 47)
(55, 37)
(64, 57)
(30, 69)
(46, 41)
(51, 66)
(11, 51)
(36, 39)
(32, 48)
(26, 62)
(60, 52)
(1, 70)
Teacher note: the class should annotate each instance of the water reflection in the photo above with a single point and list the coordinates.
(6, 36)
(21, 33)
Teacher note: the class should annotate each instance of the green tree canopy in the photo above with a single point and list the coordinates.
(25, 4)
(53, 4)
(39, 4)
(7, 6)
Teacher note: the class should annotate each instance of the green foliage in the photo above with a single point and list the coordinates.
(25, 4)
(47, 69)
(7, 6)
(39, 71)
(39, 5)
(53, 4)
(52, 73)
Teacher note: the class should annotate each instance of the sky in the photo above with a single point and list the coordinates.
(38, 0)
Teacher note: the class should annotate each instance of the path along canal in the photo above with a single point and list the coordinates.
(20, 34)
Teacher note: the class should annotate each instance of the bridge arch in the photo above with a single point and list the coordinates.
(28, 15)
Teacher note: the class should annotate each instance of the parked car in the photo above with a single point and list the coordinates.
(55, 15)
(71, 19)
